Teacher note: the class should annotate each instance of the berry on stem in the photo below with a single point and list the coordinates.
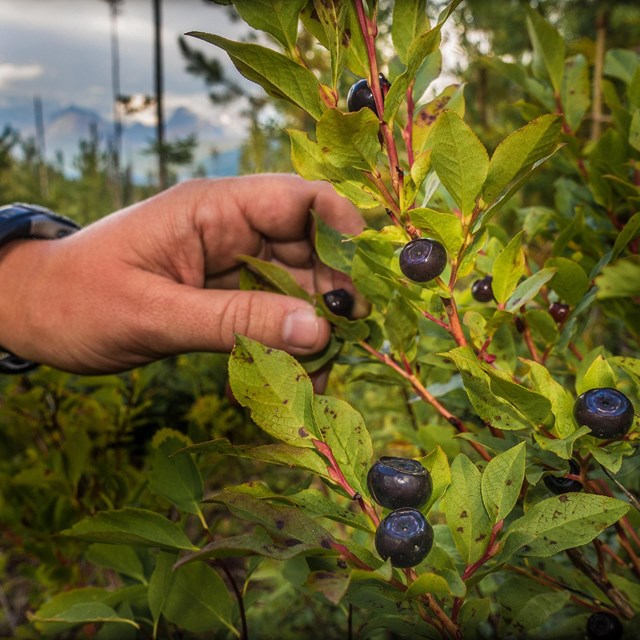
(399, 482)
(481, 289)
(607, 412)
(559, 312)
(360, 94)
(405, 537)
(423, 259)
(339, 302)
(560, 485)
(604, 626)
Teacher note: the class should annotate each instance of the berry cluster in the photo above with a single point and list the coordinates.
(404, 485)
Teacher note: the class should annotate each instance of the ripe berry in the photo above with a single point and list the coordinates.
(607, 412)
(405, 537)
(423, 259)
(604, 626)
(339, 301)
(559, 312)
(399, 482)
(360, 95)
(481, 289)
(562, 485)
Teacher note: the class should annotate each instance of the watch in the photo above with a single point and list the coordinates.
(18, 221)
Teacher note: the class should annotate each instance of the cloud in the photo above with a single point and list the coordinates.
(10, 73)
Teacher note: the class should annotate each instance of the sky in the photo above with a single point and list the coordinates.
(60, 50)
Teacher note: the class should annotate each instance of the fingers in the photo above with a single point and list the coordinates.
(189, 319)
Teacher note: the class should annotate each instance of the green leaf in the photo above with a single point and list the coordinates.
(562, 447)
(277, 276)
(452, 98)
(576, 91)
(529, 288)
(332, 16)
(437, 463)
(256, 543)
(548, 46)
(598, 375)
(444, 227)
(130, 526)
(531, 404)
(570, 281)
(422, 46)
(285, 455)
(334, 249)
(85, 612)
(332, 585)
(526, 604)
(276, 389)
(285, 522)
(620, 279)
(198, 600)
(621, 64)
(562, 522)
(459, 159)
(612, 456)
(278, 18)
(279, 76)
(519, 152)
(343, 429)
(176, 478)
(631, 230)
(464, 509)
(309, 162)
(491, 408)
(122, 559)
(349, 139)
(428, 583)
(502, 480)
(160, 584)
(508, 268)
(401, 325)
(634, 130)
(560, 398)
(409, 20)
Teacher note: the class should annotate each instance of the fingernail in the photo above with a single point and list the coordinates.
(301, 328)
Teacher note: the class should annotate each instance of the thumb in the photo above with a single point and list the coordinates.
(207, 320)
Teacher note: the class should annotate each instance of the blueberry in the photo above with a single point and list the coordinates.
(604, 626)
(423, 259)
(405, 537)
(399, 482)
(607, 412)
(339, 301)
(563, 484)
(360, 95)
(559, 311)
(481, 289)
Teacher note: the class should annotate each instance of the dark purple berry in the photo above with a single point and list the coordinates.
(604, 626)
(339, 302)
(481, 289)
(607, 412)
(360, 95)
(405, 537)
(559, 312)
(423, 259)
(563, 484)
(399, 482)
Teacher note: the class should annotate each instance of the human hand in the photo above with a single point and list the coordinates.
(161, 277)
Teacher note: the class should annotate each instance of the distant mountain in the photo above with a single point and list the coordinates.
(216, 152)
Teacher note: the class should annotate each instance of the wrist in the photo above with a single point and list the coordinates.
(24, 234)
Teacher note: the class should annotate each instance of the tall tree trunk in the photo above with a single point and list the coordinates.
(159, 88)
(116, 151)
(40, 143)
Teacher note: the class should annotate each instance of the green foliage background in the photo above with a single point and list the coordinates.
(108, 532)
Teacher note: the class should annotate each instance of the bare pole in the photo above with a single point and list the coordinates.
(159, 89)
(40, 143)
(115, 88)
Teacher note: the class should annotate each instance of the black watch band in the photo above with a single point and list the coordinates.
(19, 221)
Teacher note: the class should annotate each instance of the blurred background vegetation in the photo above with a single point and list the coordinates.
(73, 445)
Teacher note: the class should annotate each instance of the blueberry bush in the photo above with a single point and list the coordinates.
(519, 397)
